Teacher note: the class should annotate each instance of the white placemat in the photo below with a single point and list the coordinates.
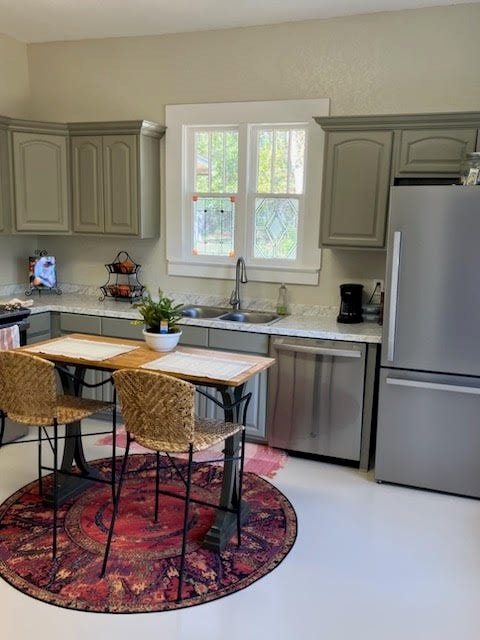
(203, 366)
(82, 349)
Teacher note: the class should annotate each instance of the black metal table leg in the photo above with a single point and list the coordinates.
(225, 523)
(73, 453)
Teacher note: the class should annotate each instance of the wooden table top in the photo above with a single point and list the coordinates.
(143, 354)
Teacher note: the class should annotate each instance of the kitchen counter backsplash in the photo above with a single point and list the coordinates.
(311, 321)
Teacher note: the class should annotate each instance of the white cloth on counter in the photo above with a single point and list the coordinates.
(197, 365)
(16, 302)
(82, 349)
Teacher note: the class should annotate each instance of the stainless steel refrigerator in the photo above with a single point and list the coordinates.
(428, 429)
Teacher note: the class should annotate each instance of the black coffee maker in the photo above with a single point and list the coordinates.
(350, 303)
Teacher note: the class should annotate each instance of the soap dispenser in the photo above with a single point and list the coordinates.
(282, 307)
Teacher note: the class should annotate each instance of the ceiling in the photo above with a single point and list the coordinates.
(49, 20)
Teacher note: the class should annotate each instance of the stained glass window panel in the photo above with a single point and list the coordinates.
(276, 228)
(213, 226)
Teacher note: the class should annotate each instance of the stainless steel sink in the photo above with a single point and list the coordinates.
(252, 317)
(192, 311)
(221, 313)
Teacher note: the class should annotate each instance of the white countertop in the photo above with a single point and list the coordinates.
(306, 322)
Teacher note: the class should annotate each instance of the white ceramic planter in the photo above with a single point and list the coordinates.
(161, 341)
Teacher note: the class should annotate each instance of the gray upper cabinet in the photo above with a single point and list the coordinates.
(40, 177)
(5, 201)
(433, 152)
(355, 188)
(87, 184)
(116, 178)
(365, 155)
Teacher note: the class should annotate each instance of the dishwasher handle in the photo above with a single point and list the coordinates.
(318, 351)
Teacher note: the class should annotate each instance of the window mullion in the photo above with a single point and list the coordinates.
(210, 163)
(289, 161)
(241, 219)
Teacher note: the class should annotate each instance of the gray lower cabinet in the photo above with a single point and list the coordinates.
(237, 342)
(40, 181)
(116, 178)
(120, 328)
(40, 327)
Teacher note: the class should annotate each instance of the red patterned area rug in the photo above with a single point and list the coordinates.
(259, 458)
(143, 567)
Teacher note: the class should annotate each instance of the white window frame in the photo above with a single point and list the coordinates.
(178, 211)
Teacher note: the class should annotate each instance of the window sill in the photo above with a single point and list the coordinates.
(306, 276)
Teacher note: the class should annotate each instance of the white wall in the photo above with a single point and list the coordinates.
(399, 62)
(14, 102)
(14, 81)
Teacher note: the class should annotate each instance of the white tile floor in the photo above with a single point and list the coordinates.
(371, 561)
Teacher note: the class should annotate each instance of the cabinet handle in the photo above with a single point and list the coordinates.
(318, 351)
(392, 311)
(435, 386)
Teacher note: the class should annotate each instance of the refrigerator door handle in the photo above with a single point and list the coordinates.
(435, 386)
(392, 311)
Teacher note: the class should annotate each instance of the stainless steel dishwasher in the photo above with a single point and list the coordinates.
(316, 396)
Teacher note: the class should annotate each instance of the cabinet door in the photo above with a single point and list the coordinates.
(194, 336)
(39, 327)
(252, 343)
(40, 182)
(433, 151)
(120, 162)
(120, 328)
(355, 188)
(87, 184)
(4, 181)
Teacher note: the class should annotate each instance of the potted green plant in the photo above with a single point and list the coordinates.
(160, 318)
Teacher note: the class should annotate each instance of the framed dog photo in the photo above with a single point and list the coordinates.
(42, 272)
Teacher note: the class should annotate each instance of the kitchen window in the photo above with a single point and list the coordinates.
(244, 179)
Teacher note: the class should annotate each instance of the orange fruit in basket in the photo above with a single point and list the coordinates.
(127, 266)
(123, 290)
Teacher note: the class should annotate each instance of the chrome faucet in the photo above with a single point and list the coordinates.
(240, 276)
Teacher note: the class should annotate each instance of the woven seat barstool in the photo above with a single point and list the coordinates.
(158, 411)
(9, 339)
(28, 396)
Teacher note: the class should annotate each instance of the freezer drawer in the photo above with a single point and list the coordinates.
(428, 431)
(315, 396)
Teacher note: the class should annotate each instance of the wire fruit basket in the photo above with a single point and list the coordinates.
(122, 283)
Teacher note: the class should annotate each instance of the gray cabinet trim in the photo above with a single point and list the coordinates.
(400, 121)
(144, 127)
(34, 126)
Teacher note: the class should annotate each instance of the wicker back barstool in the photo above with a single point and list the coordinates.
(158, 411)
(9, 339)
(28, 396)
